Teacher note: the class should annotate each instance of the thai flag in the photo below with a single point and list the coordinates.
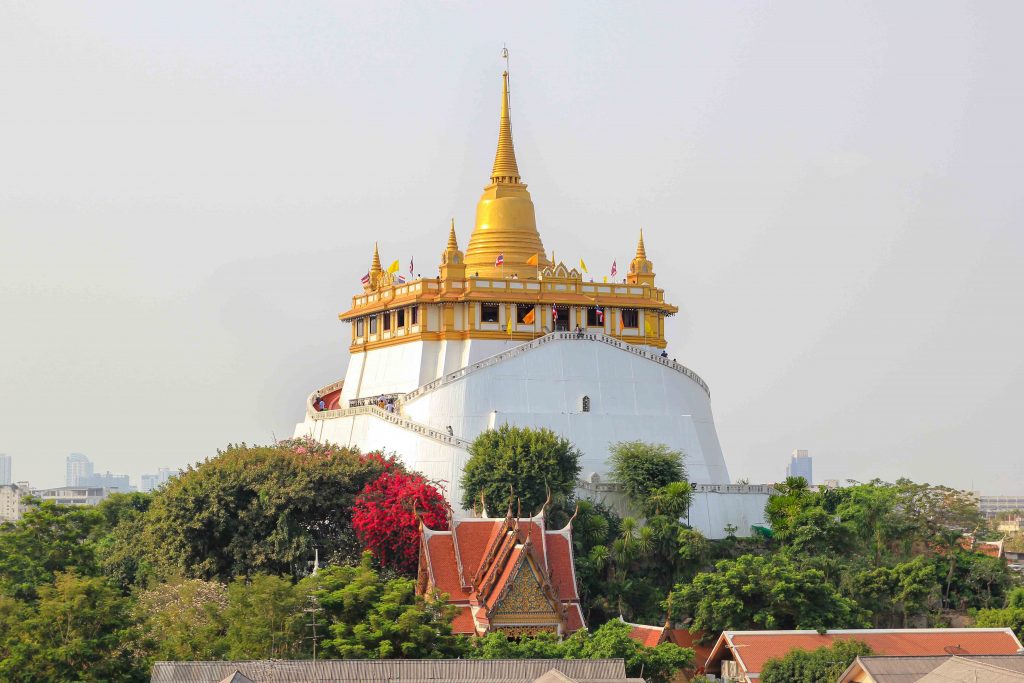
(500, 261)
(400, 279)
(614, 269)
(410, 266)
(600, 315)
(365, 279)
(554, 312)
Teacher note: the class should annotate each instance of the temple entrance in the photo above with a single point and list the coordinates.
(561, 322)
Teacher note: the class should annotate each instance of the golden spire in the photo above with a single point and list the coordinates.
(505, 168)
(641, 252)
(375, 264)
(453, 244)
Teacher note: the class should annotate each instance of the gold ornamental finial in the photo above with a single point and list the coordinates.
(641, 251)
(505, 168)
(453, 244)
(375, 264)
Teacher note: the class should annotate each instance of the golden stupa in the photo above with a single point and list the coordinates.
(506, 224)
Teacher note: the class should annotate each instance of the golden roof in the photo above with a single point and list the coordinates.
(506, 223)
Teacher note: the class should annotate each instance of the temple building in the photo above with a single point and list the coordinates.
(507, 574)
(507, 334)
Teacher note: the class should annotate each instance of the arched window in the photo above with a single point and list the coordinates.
(585, 404)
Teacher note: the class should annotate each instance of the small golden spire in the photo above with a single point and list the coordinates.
(375, 264)
(641, 251)
(453, 244)
(505, 168)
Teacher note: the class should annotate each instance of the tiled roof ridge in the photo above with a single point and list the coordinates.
(510, 540)
(492, 550)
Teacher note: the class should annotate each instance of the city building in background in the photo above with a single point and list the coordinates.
(992, 505)
(5, 469)
(79, 468)
(11, 508)
(74, 495)
(118, 483)
(151, 482)
(800, 466)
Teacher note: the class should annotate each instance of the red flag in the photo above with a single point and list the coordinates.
(554, 312)
(600, 315)
(614, 269)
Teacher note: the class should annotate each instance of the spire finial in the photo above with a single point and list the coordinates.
(375, 264)
(505, 168)
(453, 244)
(641, 251)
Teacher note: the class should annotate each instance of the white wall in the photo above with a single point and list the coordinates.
(631, 398)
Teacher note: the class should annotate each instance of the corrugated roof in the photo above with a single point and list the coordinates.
(944, 668)
(387, 671)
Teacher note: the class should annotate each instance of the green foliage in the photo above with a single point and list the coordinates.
(611, 640)
(1011, 616)
(643, 468)
(184, 620)
(518, 465)
(48, 539)
(258, 509)
(79, 629)
(815, 666)
(753, 592)
(375, 619)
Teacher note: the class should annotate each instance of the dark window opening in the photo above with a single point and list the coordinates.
(415, 315)
(595, 317)
(401, 317)
(359, 327)
(387, 320)
(561, 318)
(524, 311)
(586, 404)
(630, 318)
(373, 324)
(488, 313)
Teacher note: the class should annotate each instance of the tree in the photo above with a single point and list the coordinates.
(610, 641)
(259, 509)
(753, 592)
(387, 515)
(48, 539)
(79, 630)
(265, 619)
(814, 666)
(642, 468)
(895, 594)
(184, 620)
(518, 466)
(1010, 616)
(375, 619)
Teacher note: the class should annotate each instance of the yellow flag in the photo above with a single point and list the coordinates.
(647, 325)
(393, 268)
(606, 278)
(532, 261)
(509, 326)
(583, 266)
(529, 318)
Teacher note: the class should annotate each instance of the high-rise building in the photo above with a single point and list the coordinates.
(5, 469)
(11, 508)
(150, 482)
(79, 468)
(800, 466)
(115, 482)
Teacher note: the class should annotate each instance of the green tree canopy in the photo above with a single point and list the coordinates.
(814, 666)
(259, 509)
(644, 468)
(518, 465)
(755, 592)
(609, 641)
(371, 618)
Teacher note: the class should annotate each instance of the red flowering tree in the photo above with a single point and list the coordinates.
(384, 514)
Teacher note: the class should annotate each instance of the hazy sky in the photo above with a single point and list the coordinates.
(831, 192)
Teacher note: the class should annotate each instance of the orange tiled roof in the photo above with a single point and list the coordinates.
(648, 636)
(683, 638)
(463, 622)
(489, 551)
(753, 648)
